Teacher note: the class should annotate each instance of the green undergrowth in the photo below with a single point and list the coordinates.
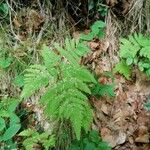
(103, 89)
(45, 140)
(9, 122)
(67, 87)
(89, 141)
(67, 83)
(134, 52)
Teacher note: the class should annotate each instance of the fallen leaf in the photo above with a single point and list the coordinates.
(104, 109)
(143, 139)
(93, 45)
(106, 136)
(16, 23)
(111, 3)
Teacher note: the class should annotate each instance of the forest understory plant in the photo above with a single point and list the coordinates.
(9, 122)
(33, 138)
(66, 84)
(134, 53)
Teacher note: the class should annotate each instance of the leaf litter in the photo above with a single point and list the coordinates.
(124, 121)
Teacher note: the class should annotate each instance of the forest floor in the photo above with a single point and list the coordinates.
(122, 121)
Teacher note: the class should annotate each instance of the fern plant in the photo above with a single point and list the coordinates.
(9, 121)
(32, 137)
(96, 31)
(134, 51)
(66, 83)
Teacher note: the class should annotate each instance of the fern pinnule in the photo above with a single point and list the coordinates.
(66, 54)
(145, 51)
(80, 73)
(128, 48)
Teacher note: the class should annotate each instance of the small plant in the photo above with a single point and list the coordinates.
(90, 141)
(134, 51)
(96, 31)
(9, 121)
(33, 137)
(66, 82)
(103, 89)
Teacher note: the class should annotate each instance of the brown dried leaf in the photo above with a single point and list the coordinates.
(16, 23)
(104, 109)
(143, 139)
(93, 45)
(111, 3)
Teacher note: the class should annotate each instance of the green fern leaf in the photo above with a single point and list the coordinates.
(145, 51)
(67, 55)
(142, 40)
(51, 60)
(128, 48)
(82, 49)
(123, 69)
(2, 124)
(36, 77)
(87, 118)
(102, 90)
(77, 122)
(65, 98)
(70, 47)
(78, 72)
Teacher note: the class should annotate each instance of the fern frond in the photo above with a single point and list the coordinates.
(73, 50)
(142, 40)
(67, 55)
(145, 51)
(50, 59)
(36, 77)
(80, 73)
(65, 100)
(129, 47)
(123, 69)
